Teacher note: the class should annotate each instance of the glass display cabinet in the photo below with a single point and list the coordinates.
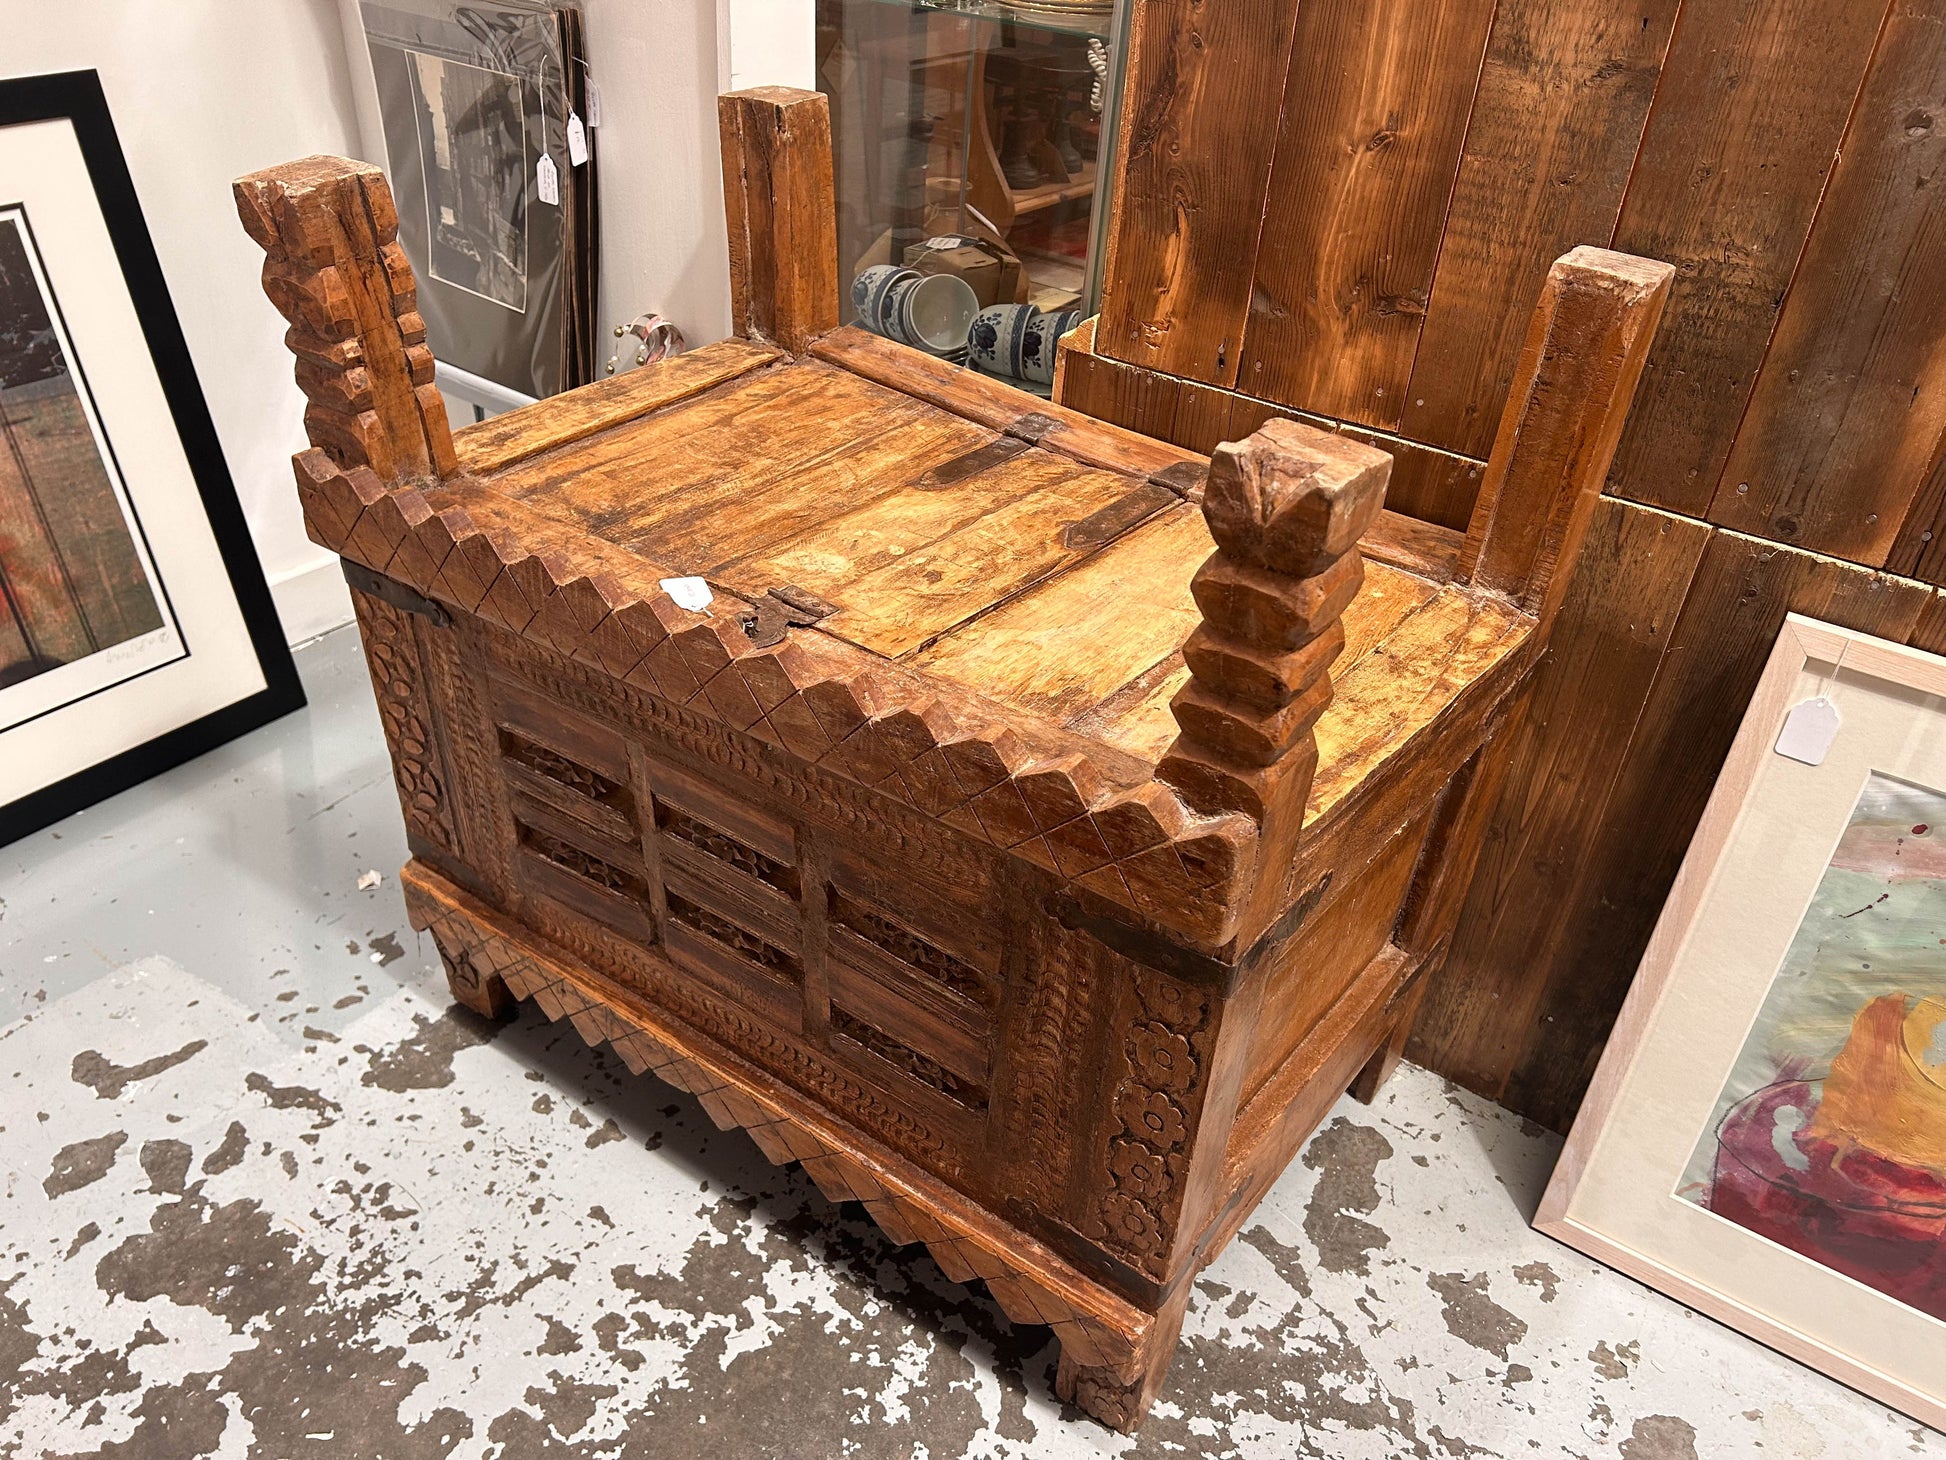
(972, 137)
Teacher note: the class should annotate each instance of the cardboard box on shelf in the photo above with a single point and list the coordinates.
(993, 273)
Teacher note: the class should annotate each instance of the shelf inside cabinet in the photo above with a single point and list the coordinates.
(1060, 19)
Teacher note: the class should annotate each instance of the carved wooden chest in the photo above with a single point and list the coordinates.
(1038, 827)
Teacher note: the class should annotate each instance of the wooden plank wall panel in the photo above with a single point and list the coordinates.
(1198, 127)
(1563, 98)
(1745, 126)
(1921, 548)
(1432, 485)
(1737, 602)
(1608, 644)
(1851, 401)
(1374, 116)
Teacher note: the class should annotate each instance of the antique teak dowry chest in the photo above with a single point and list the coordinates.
(1038, 828)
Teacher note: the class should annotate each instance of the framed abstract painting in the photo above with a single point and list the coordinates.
(136, 629)
(1765, 1138)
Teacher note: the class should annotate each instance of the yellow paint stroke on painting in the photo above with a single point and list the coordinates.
(1887, 1087)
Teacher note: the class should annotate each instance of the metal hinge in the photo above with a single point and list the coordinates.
(392, 591)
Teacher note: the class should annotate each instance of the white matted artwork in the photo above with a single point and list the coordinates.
(1765, 1138)
(135, 626)
(82, 606)
(472, 128)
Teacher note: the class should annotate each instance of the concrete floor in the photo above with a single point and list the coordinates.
(267, 1194)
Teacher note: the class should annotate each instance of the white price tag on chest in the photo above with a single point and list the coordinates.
(577, 141)
(1808, 731)
(547, 181)
(690, 593)
(594, 103)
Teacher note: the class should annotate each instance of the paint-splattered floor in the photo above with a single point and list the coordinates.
(267, 1195)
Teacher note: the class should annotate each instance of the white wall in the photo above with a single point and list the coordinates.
(663, 245)
(766, 43)
(205, 90)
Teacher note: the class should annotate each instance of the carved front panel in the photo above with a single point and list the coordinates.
(1159, 1066)
(405, 709)
(850, 947)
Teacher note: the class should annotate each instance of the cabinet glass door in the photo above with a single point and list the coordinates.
(971, 138)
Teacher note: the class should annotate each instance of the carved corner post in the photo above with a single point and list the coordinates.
(1286, 508)
(334, 268)
(782, 214)
(1584, 353)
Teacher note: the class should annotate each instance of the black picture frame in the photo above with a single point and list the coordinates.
(77, 97)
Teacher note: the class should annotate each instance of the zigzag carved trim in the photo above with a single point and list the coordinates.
(1076, 810)
(1031, 1284)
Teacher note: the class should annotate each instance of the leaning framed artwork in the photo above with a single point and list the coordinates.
(136, 629)
(1765, 1138)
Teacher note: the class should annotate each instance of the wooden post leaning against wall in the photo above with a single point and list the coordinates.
(334, 268)
(780, 208)
(1586, 344)
(1286, 508)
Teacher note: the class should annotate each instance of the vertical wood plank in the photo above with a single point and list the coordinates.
(1930, 632)
(1607, 645)
(1375, 110)
(1736, 604)
(1198, 127)
(1563, 98)
(1121, 394)
(1745, 126)
(1921, 549)
(1852, 396)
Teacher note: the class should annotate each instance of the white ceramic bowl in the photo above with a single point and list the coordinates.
(932, 312)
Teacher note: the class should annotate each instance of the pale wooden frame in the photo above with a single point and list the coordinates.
(1801, 642)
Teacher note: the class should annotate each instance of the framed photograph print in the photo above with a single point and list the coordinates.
(136, 629)
(1765, 1138)
(474, 101)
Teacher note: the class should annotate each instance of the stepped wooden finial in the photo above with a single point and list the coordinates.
(1286, 508)
(334, 268)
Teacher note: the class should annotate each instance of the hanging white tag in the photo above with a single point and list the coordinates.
(577, 141)
(547, 182)
(690, 593)
(1808, 731)
(594, 103)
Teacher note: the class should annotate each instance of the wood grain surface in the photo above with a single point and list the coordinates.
(1850, 407)
(1367, 151)
(1427, 484)
(1203, 88)
(1741, 591)
(1608, 643)
(780, 209)
(1747, 119)
(1562, 100)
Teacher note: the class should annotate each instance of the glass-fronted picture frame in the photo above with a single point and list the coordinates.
(136, 629)
(1765, 1138)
